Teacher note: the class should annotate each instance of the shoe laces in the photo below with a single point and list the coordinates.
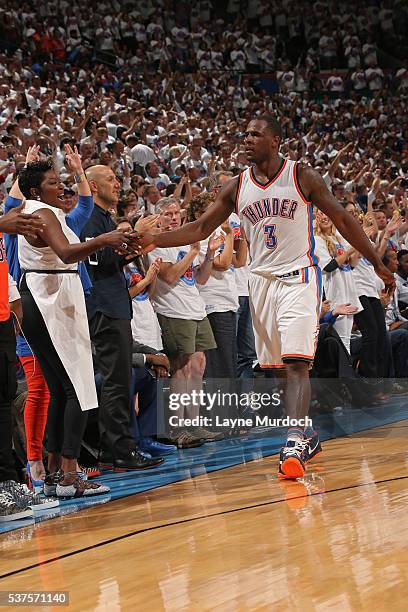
(6, 499)
(300, 445)
(17, 490)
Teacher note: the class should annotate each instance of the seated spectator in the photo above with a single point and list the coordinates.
(336, 260)
(148, 364)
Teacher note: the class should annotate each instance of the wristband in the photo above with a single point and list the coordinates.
(79, 178)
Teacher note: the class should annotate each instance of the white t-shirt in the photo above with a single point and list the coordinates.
(374, 78)
(220, 291)
(242, 280)
(161, 181)
(181, 300)
(13, 292)
(339, 285)
(142, 154)
(145, 326)
(365, 278)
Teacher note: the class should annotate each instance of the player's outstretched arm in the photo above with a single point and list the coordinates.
(193, 232)
(315, 189)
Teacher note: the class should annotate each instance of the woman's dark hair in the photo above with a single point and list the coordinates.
(401, 254)
(32, 175)
(170, 189)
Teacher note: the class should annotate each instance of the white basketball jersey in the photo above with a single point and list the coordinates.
(278, 222)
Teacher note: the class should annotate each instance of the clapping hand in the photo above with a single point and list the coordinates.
(226, 227)
(153, 270)
(214, 243)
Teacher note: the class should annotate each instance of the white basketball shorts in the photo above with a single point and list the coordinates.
(285, 316)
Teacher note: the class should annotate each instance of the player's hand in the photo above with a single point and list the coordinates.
(117, 240)
(387, 277)
(16, 222)
(142, 242)
(195, 247)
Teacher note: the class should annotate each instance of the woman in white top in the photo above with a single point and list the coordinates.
(371, 320)
(336, 261)
(54, 318)
(220, 292)
(141, 278)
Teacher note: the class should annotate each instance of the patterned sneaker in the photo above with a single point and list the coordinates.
(87, 473)
(10, 511)
(206, 435)
(79, 488)
(23, 497)
(292, 460)
(314, 447)
(50, 483)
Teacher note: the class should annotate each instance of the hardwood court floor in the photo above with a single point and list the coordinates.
(237, 539)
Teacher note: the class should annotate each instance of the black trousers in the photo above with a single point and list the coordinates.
(221, 362)
(331, 359)
(112, 339)
(66, 421)
(8, 388)
(371, 323)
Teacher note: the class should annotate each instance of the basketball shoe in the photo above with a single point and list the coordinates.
(314, 447)
(293, 458)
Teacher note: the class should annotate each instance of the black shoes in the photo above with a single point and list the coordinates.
(136, 461)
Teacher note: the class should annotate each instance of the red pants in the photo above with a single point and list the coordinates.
(36, 408)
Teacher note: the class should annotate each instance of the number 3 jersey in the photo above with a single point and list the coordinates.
(278, 221)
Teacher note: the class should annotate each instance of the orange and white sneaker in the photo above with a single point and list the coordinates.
(292, 459)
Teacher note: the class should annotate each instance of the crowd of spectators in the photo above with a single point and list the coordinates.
(160, 93)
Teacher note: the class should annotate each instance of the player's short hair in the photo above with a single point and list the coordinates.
(272, 123)
(32, 175)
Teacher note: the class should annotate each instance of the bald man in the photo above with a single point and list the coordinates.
(109, 313)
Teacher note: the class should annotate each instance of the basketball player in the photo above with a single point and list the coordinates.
(274, 199)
